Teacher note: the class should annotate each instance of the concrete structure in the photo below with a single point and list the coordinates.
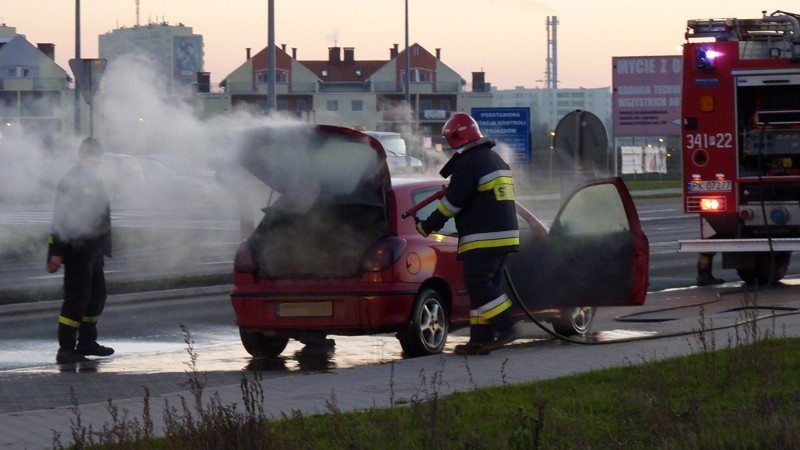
(175, 49)
(35, 96)
(548, 106)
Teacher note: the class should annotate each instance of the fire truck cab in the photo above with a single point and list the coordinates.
(741, 141)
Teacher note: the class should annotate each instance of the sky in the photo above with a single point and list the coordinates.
(506, 39)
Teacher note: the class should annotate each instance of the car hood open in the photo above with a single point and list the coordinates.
(309, 164)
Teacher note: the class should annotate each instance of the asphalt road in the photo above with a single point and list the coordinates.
(149, 325)
(156, 335)
(196, 247)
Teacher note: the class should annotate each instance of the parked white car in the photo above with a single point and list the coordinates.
(397, 158)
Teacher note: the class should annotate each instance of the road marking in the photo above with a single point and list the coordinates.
(45, 277)
(213, 263)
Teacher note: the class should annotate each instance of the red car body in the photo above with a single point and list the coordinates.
(395, 280)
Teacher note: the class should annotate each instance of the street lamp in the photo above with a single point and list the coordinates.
(77, 118)
(408, 65)
(271, 100)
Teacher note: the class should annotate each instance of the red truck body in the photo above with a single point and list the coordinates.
(741, 141)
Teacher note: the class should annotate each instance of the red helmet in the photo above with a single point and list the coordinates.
(460, 130)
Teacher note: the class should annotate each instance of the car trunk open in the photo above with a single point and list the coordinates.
(329, 201)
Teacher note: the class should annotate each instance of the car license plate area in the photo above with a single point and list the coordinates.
(305, 309)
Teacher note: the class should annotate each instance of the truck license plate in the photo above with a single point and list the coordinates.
(710, 186)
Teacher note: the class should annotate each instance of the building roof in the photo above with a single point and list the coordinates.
(343, 72)
(338, 68)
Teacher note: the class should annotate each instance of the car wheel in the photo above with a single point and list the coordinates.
(574, 321)
(261, 346)
(427, 331)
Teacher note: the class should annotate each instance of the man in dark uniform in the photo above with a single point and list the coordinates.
(80, 238)
(481, 198)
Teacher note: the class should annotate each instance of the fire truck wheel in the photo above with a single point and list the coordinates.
(765, 272)
(260, 346)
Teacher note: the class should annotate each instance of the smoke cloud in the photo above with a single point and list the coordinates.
(159, 169)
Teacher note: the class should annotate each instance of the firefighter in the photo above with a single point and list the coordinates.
(80, 239)
(480, 197)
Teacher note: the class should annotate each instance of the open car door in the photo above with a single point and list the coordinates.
(595, 253)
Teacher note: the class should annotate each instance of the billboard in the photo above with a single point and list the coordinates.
(187, 52)
(646, 95)
(637, 159)
(509, 126)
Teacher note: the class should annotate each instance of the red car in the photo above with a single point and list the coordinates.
(332, 254)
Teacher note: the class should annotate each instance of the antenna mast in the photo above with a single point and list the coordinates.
(137, 13)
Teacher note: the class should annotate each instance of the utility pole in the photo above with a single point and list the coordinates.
(77, 118)
(408, 73)
(271, 100)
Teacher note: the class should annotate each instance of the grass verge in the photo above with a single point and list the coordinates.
(745, 395)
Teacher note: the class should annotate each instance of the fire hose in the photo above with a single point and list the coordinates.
(516, 297)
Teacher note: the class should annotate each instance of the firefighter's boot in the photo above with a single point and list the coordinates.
(87, 341)
(67, 336)
(480, 338)
(505, 330)
(704, 275)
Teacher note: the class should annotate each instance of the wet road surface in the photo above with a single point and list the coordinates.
(160, 356)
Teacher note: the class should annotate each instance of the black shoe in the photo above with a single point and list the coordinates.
(502, 338)
(472, 348)
(708, 280)
(94, 349)
(67, 356)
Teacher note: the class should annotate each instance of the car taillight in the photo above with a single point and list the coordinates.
(382, 254)
(243, 262)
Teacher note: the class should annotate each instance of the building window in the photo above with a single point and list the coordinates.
(282, 76)
(332, 105)
(18, 72)
(356, 105)
(282, 104)
(419, 75)
(301, 105)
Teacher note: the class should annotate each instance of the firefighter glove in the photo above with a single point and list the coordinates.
(421, 227)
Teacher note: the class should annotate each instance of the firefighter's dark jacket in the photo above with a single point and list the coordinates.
(82, 215)
(481, 198)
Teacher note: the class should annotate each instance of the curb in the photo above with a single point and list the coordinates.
(16, 309)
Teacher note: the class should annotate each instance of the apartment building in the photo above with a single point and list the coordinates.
(174, 49)
(343, 90)
(35, 96)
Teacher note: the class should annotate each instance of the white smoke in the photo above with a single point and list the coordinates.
(134, 117)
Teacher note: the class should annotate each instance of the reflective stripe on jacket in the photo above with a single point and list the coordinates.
(480, 197)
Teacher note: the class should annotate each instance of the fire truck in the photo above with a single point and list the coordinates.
(741, 141)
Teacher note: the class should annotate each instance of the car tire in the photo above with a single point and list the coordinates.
(260, 346)
(428, 327)
(574, 321)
